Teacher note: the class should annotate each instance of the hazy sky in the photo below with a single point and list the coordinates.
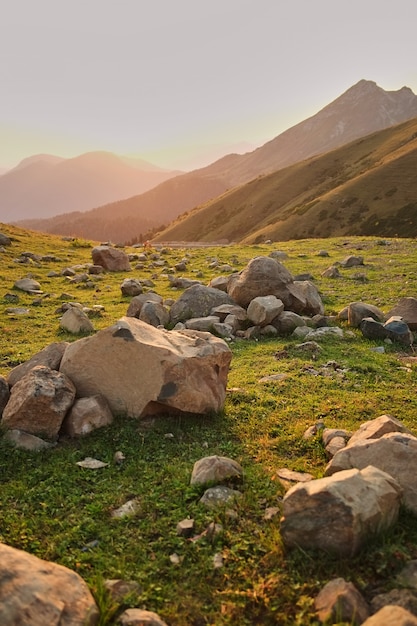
(169, 80)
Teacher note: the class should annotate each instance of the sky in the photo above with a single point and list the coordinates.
(183, 82)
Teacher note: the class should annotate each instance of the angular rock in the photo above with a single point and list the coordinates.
(391, 616)
(263, 309)
(50, 356)
(215, 469)
(220, 282)
(287, 321)
(202, 323)
(4, 394)
(154, 313)
(137, 303)
(304, 298)
(334, 445)
(185, 527)
(5, 240)
(39, 402)
(406, 308)
(374, 429)
(142, 370)
(339, 513)
(34, 592)
(357, 311)
(24, 441)
(400, 597)
(86, 415)
(340, 601)
(140, 617)
(75, 321)
(331, 272)
(352, 261)
(197, 301)
(131, 287)
(399, 331)
(218, 496)
(224, 310)
(112, 259)
(263, 276)
(393, 453)
(118, 588)
(29, 285)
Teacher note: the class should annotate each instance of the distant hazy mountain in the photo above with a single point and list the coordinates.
(367, 187)
(45, 185)
(362, 109)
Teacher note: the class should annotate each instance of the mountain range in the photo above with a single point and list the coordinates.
(362, 110)
(45, 185)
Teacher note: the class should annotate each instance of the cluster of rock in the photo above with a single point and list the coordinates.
(130, 368)
(370, 475)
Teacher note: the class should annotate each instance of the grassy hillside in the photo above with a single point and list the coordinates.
(367, 187)
(58, 511)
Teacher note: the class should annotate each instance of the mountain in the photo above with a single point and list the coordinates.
(362, 109)
(367, 187)
(45, 185)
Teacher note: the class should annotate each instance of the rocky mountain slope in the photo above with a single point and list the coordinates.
(368, 187)
(362, 109)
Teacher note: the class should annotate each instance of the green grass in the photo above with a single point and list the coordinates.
(58, 511)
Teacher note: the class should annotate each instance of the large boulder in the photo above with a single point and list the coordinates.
(339, 513)
(112, 259)
(39, 402)
(374, 429)
(394, 453)
(263, 276)
(197, 301)
(391, 615)
(143, 370)
(34, 592)
(50, 356)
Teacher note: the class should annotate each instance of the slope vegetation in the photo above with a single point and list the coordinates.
(368, 187)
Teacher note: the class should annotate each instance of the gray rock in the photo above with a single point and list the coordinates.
(406, 308)
(197, 301)
(352, 261)
(86, 415)
(111, 259)
(75, 321)
(287, 321)
(24, 441)
(263, 276)
(131, 287)
(357, 311)
(137, 303)
(39, 402)
(331, 272)
(219, 496)
(154, 313)
(215, 469)
(5, 240)
(339, 515)
(405, 598)
(29, 285)
(263, 309)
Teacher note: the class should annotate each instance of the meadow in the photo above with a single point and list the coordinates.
(60, 512)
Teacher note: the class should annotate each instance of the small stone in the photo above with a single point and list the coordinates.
(185, 528)
(119, 457)
(271, 512)
(91, 463)
(128, 509)
(218, 560)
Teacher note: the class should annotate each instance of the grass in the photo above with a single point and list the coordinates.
(58, 511)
